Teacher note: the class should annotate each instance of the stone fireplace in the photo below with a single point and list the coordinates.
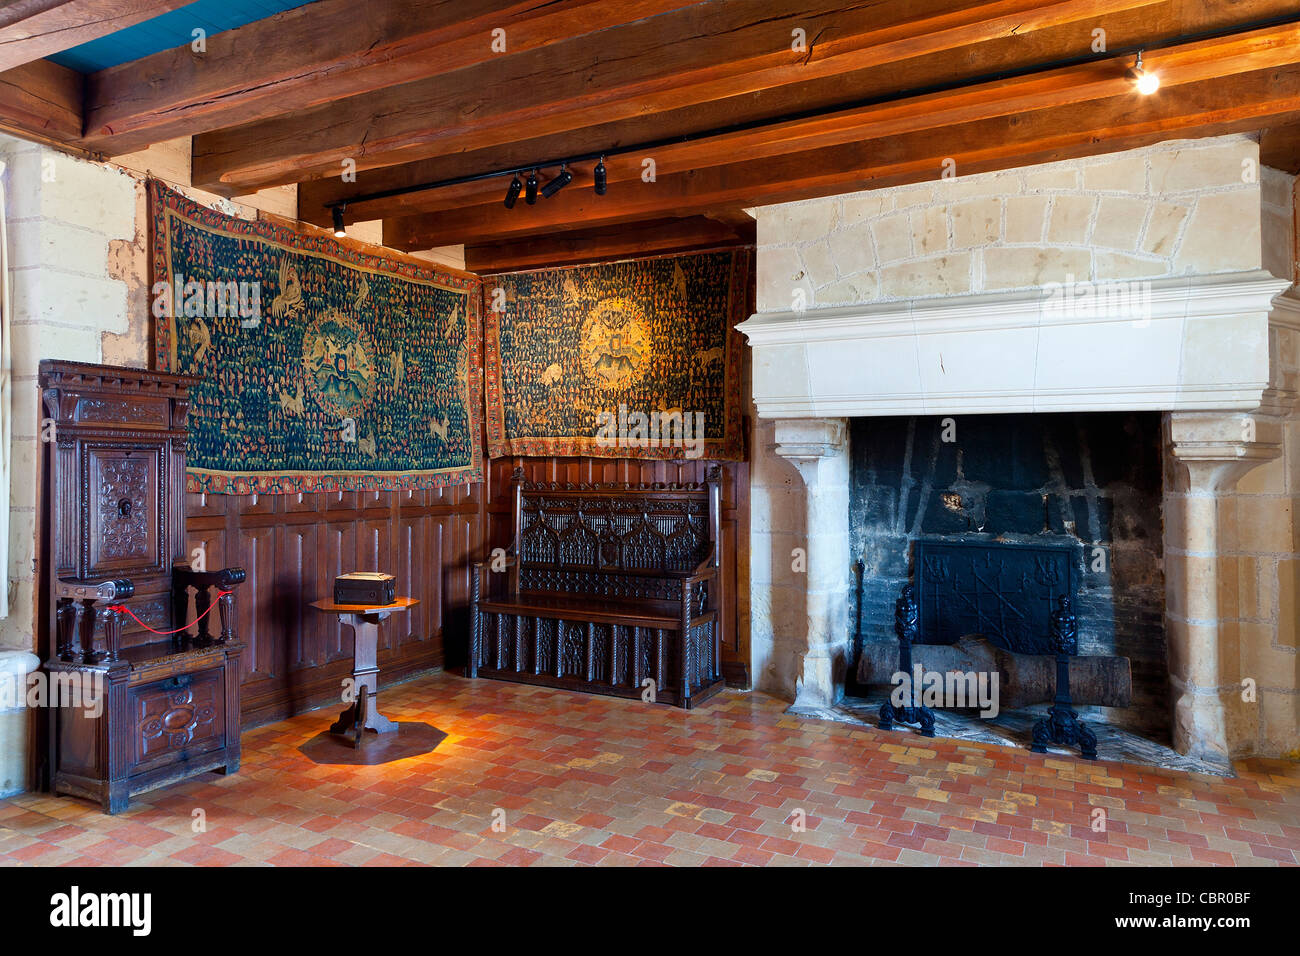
(1110, 344)
(1089, 482)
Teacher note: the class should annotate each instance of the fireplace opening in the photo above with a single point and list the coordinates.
(1020, 508)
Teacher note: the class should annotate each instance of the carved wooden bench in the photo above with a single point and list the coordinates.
(604, 589)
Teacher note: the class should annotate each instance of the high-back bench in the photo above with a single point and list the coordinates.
(605, 588)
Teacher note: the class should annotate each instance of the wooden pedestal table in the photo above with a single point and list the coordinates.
(364, 620)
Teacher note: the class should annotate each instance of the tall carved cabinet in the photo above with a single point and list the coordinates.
(137, 707)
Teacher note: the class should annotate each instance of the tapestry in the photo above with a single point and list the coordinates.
(635, 359)
(320, 367)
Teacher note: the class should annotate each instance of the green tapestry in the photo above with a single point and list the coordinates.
(636, 359)
(320, 367)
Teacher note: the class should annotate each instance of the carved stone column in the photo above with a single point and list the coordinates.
(1209, 452)
(818, 447)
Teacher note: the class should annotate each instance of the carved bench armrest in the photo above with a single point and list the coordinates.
(77, 616)
(225, 581)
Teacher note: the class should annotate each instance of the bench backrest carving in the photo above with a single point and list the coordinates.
(613, 540)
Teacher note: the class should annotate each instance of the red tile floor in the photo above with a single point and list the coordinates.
(597, 781)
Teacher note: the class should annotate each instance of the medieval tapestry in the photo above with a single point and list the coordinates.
(320, 367)
(635, 359)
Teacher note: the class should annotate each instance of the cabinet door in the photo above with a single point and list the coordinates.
(123, 520)
(177, 718)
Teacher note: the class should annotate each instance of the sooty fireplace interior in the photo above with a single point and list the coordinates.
(993, 518)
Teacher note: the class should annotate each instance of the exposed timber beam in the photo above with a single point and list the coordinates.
(321, 53)
(608, 244)
(1210, 107)
(1008, 55)
(707, 52)
(41, 101)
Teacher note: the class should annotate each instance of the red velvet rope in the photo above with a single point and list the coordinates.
(123, 607)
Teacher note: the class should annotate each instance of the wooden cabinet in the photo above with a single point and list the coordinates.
(132, 706)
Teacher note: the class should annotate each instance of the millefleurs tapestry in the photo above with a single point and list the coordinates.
(320, 367)
(636, 359)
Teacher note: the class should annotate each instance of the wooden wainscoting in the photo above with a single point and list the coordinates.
(292, 546)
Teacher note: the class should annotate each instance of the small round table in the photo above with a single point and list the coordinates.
(363, 714)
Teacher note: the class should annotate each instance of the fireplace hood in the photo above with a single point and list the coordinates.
(1179, 344)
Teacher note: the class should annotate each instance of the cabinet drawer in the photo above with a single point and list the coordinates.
(177, 718)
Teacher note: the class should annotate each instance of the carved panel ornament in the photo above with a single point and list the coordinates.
(122, 509)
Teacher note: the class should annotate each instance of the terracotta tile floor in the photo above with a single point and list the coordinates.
(594, 781)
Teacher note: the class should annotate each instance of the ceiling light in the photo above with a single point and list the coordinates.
(559, 182)
(512, 193)
(530, 196)
(602, 177)
(1147, 83)
(340, 230)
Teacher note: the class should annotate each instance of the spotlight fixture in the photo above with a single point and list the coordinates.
(340, 230)
(1147, 83)
(559, 182)
(530, 196)
(512, 193)
(602, 177)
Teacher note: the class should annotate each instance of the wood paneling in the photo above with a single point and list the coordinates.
(292, 546)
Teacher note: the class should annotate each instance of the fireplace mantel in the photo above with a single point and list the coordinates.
(1180, 344)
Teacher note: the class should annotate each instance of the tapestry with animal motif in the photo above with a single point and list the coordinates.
(320, 366)
(634, 359)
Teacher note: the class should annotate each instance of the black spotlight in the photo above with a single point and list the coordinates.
(340, 230)
(530, 196)
(512, 193)
(602, 178)
(559, 182)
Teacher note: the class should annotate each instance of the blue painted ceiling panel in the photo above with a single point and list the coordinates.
(169, 30)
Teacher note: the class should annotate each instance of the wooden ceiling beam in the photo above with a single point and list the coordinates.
(1210, 107)
(1190, 63)
(320, 53)
(703, 53)
(41, 101)
(33, 29)
(608, 244)
(1124, 30)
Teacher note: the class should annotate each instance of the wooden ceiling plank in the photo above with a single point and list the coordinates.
(706, 52)
(33, 29)
(1211, 107)
(321, 53)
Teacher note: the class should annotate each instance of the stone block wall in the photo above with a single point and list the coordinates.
(1185, 207)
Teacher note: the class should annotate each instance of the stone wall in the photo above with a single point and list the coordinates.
(1174, 209)
(1179, 208)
